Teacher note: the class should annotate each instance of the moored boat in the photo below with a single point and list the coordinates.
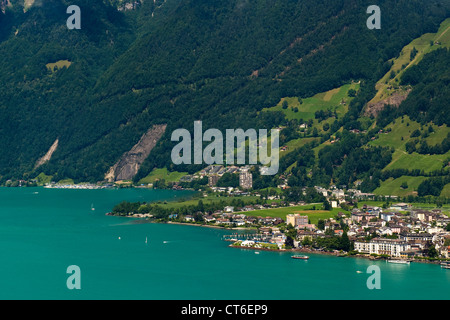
(302, 257)
(399, 261)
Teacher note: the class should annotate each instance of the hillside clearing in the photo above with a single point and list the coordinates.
(394, 186)
(389, 84)
(162, 174)
(335, 100)
(58, 65)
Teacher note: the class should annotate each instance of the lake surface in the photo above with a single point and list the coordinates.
(44, 231)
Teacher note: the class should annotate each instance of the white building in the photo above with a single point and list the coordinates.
(386, 216)
(245, 180)
(248, 243)
(338, 193)
(391, 247)
(384, 231)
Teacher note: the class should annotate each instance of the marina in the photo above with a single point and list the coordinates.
(247, 237)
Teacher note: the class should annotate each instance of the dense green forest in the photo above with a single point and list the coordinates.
(176, 61)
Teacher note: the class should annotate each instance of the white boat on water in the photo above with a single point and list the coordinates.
(399, 261)
(445, 265)
(301, 257)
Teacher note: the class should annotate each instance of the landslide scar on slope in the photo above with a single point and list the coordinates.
(130, 162)
(394, 100)
(48, 155)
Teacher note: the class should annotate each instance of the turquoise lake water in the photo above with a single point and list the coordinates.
(44, 231)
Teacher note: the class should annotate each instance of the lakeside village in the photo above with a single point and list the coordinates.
(395, 231)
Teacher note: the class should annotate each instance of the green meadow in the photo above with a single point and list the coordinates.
(399, 133)
(58, 65)
(160, 174)
(43, 179)
(295, 144)
(394, 186)
(415, 161)
(206, 200)
(313, 215)
(334, 100)
(446, 191)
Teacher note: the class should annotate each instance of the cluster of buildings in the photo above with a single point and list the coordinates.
(300, 222)
(269, 238)
(399, 231)
(54, 185)
(215, 172)
(237, 218)
(337, 196)
(398, 234)
(372, 230)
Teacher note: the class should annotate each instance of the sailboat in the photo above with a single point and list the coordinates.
(146, 240)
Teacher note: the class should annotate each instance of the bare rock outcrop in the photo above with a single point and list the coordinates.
(394, 100)
(130, 162)
(48, 155)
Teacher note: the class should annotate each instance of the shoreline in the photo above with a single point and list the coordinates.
(326, 253)
(295, 250)
(148, 220)
(204, 225)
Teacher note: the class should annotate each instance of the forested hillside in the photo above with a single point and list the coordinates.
(99, 89)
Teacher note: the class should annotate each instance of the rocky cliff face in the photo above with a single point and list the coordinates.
(130, 162)
(394, 100)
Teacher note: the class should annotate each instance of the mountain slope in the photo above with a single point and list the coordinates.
(172, 62)
(388, 88)
(410, 141)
